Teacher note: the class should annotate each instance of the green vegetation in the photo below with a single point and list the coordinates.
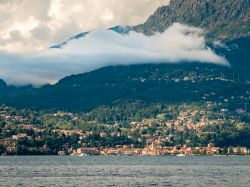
(162, 83)
(134, 124)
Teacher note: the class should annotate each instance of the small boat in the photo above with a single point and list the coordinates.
(180, 155)
(82, 154)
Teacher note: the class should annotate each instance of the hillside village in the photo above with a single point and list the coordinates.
(182, 130)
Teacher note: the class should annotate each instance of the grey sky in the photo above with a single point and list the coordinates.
(37, 24)
(29, 27)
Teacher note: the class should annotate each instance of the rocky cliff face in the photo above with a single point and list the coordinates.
(221, 19)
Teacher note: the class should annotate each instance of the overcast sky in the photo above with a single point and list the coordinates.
(37, 24)
(29, 27)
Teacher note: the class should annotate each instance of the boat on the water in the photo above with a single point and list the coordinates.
(180, 155)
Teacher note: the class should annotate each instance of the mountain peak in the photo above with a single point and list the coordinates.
(118, 29)
(222, 19)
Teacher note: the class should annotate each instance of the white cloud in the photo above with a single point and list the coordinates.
(42, 23)
(179, 43)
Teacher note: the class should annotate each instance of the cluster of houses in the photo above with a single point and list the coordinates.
(153, 150)
(184, 120)
(190, 76)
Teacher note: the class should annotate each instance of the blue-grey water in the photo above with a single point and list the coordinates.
(124, 171)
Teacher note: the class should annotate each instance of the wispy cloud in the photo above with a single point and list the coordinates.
(179, 43)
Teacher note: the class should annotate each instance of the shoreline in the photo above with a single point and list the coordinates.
(123, 156)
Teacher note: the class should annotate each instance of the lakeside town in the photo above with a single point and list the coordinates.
(153, 150)
(192, 130)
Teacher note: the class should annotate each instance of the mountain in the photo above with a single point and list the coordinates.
(165, 83)
(3, 85)
(59, 46)
(158, 83)
(121, 30)
(221, 19)
(118, 29)
(4, 89)
(151, 83)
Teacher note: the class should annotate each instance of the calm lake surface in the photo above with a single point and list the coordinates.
(124, 171)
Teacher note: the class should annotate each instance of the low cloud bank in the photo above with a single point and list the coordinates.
(179, 43)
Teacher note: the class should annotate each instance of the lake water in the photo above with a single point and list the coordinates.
(124, 171)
